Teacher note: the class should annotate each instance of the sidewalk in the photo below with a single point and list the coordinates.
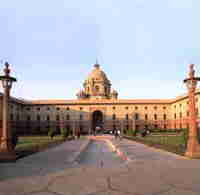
(149, 172)
(31, 169)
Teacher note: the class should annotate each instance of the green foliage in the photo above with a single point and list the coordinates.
(131, 132)
(185, 135)
(64, 132)
(14, 139)
(51, 133)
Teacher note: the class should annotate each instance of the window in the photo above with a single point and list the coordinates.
(57, 117)
(81, 117)
(165, 126)
(137, 127)
(196, 99)
(197, 111)
(48, 108)
(145, 107)
(68, 117)
(155, 116)
(38, 109)
(11, 107)
(113, 107)
(164, 116)
(180, 105)
(164, 108)
(97, 88)
(188, 114)
(136, 116)
(38, 117)
(28, 118)
(180, 126)
(127, 116)
(11, 117)
(175, 106)
(17, 117)
(57, 108)
(136, 107)
(146, 126)
(156, 126)
(180, 114)
(127, 127)
(155, 107)
(126, 108)
(174, 115)
(146, 117)
(28, 109)
(67, 108)
(48, 118)
(81, 108)
(113, 116)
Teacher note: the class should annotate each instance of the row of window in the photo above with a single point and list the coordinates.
(81, 108)
(187, 114)
(180, 105)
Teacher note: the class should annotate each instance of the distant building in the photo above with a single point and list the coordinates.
(98, 105)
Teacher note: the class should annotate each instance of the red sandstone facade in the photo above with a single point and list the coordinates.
(98, 105)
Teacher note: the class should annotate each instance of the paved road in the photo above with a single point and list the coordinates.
(148, 171)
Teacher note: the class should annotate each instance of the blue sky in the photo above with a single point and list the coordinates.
(143, 46)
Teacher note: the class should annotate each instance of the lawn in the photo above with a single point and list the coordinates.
(30, 144)
(173, 144)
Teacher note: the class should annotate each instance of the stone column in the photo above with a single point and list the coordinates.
(7, 152)
(193, 147)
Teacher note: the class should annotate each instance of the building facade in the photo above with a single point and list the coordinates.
(98, 105)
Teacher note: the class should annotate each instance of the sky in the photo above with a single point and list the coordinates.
(143, 46)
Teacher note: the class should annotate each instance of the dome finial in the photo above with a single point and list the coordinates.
(97, 64)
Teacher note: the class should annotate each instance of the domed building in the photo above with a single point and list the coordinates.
(97, 86)
(97, 105)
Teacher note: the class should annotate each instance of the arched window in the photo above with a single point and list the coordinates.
(68, 117)
(174, 115)
(28, 118)
(180, 114)
(136, 116)
(38, 117)
(97, 88)
(48, 118)
(155, 116)
(11, 117)
(164, 116)
(146, 117)
(127, 116)
(113, 116)
(57, 117)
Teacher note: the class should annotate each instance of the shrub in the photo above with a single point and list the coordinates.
(14, 139)
(51, 133)
(185, 134)
(64, 132)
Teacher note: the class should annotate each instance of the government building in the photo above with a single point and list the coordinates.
(97, 105)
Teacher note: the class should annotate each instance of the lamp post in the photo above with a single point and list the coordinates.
(193, 147)
(7, 152)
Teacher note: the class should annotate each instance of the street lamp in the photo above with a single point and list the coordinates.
(7, 152)
(193, 147)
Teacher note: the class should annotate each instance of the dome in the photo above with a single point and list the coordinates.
(97, 74)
